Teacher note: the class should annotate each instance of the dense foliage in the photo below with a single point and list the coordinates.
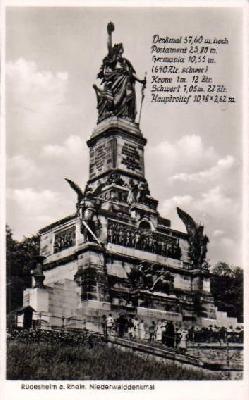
(19, 263)
(227, 289)
(56, 362)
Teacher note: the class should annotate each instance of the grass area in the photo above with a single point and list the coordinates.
(35, 361)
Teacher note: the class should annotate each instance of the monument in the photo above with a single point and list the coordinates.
(117, 253)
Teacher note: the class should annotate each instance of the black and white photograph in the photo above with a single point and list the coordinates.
(124, 159)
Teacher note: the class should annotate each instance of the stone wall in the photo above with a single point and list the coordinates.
(182, 281)
(228, 357)
(222, 319)
(59, 299)
(58, 274)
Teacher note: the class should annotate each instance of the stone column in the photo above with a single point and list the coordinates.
(92, 278)
(92, 274)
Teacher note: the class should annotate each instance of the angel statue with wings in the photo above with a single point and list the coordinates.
(197, 240)
(87, 209)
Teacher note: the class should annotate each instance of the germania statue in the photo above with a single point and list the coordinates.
(118, 77)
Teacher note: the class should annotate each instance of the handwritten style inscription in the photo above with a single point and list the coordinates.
(184, 70)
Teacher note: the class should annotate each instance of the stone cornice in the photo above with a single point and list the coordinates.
(121, 172)
(57, 223)
(115, 126)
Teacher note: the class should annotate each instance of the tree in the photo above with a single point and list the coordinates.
(227, 289)
(19, 263)
(222, 269)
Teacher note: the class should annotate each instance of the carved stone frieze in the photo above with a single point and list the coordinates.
(64, 239)
(153, 242)
(151, 277)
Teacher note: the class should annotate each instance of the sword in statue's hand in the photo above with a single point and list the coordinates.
(142, 97)
(91, 232)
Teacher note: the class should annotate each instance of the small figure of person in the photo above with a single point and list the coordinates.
(131, 328)
(230, 334)
(104, 325)
(159, 331)
(222, 334)
(210, 334)
(121, 325)
(141, 330)
(241, 335)
(183, 340)
(109, 324)
(197, 334)
(216, 336)
(152, 331)
(163, 328)
(191, 334)
(136, 327)
(170, 334)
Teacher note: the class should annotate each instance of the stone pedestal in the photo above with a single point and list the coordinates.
(38, 298)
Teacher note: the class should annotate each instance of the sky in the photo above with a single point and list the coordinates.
(193, 158)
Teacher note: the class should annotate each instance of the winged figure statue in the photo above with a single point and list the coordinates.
(87, 209)
(77, 189)
(197, 240)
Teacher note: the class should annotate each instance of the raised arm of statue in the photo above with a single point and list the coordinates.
(110, 29)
